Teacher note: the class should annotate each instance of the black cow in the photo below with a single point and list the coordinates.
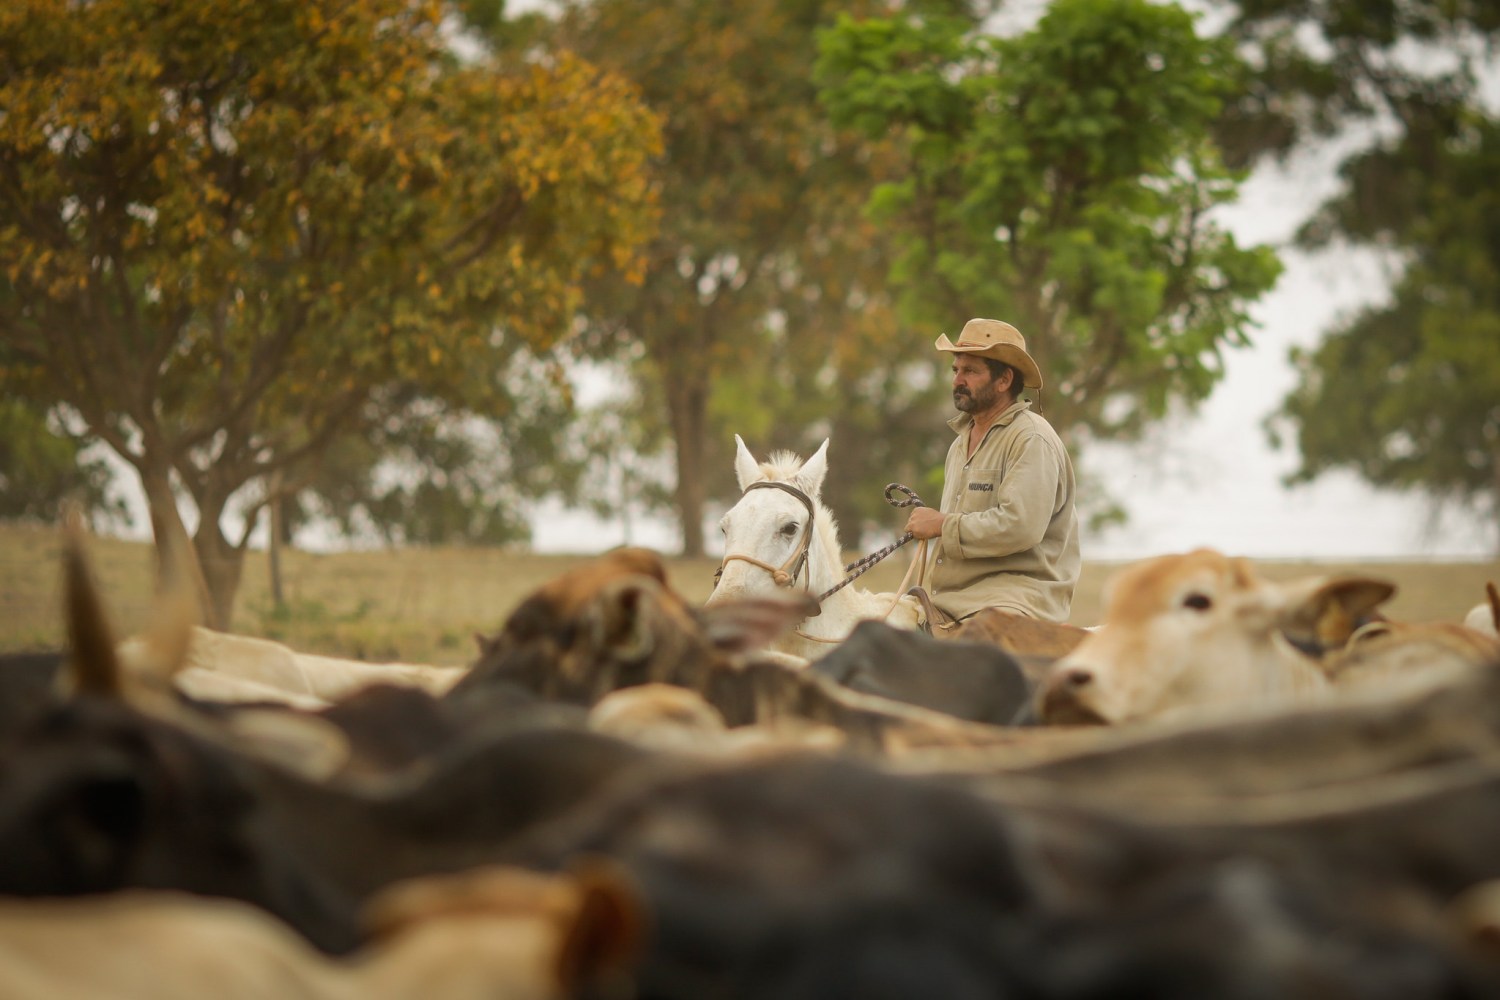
(979, 682)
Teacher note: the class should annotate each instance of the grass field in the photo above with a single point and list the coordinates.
(425, 604)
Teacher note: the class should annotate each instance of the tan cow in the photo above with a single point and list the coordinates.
(227, 667)
(486, 934)
(1202, 630)
(1383, 653)
(1485, 617)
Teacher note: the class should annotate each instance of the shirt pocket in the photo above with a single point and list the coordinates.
(982, 491)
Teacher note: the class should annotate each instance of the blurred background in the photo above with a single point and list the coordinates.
(379, 274)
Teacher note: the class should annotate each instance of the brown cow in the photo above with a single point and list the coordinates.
(615, 623)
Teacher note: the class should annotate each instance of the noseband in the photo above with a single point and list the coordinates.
(797, 561)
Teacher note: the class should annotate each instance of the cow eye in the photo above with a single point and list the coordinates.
(789, 529)
(1198, 602)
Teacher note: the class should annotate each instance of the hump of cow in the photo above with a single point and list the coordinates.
(975, 681)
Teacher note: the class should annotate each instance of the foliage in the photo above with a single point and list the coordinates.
(764, 283)
(41, 469)
(1407, 394)
(427, 473)
(1063, 180)
(1402, 393)
(228, 228)
(1320, 66)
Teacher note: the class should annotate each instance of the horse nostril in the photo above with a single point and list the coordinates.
(1078, 677)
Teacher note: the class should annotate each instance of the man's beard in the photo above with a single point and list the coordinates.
(973, 404)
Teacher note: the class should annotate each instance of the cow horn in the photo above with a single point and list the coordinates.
(94, 665)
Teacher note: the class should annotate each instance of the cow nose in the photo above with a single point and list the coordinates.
(1077, 677)
(1065, 698)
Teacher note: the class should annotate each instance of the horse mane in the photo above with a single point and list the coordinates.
(781, 466)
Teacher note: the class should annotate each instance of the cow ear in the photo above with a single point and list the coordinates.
(810, 477)
(746, 468)
(1321, 615)
(622, 622)
(602, 943)
(744, 626)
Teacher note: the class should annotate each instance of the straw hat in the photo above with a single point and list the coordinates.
(990, 338)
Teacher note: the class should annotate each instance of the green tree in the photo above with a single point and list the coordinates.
(1403, 394)
(433, 474)
(1065, 180)
(764, 264)
(1319, 67)
(1407, 393)
(42, 468)
(227, 227)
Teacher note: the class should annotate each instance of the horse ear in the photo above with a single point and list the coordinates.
(746, 468)
(810, 476)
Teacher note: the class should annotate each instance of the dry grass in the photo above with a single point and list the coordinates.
(424, 605)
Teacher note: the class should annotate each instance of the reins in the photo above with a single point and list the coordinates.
(797, 561)
(859, 567)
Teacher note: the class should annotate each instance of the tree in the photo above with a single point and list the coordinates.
(1064, 180)
(1320, 67)
(1407, 393)
(230, 228)
(1404, 393)
(762, 249)
(429, 473)
(42, 469)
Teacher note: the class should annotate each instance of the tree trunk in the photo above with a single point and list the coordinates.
(211, 562)
(222, 565)
(687, 405)
(174, 549)
(1495, 502)
(273, 548)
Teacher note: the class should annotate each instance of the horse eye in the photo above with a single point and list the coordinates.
(1198, 602)
(789, 529)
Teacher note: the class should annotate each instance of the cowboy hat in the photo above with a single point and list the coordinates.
(990, 338)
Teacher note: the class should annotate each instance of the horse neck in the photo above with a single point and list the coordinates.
(844, 608)
(825, 566)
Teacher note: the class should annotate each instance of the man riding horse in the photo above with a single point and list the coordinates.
(1006, 535)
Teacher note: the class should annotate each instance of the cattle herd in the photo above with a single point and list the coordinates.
(1229, 789)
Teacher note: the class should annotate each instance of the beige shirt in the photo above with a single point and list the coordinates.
(1013, 543)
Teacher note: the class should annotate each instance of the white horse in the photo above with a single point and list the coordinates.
(779, 537)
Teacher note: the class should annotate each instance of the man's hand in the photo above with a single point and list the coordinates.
(925, 523)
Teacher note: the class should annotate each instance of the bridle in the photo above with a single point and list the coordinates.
(786, 574)
(797, 561)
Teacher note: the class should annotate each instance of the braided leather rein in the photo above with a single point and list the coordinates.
(859, 567)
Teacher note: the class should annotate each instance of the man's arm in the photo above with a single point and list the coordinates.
(1022, 511)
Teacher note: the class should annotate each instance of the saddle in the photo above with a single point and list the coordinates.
(935, 621)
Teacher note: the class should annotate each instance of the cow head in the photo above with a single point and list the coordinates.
(1200, 629)
(616, 622)
(118, 784)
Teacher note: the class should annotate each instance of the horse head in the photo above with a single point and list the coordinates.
(779, 536)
